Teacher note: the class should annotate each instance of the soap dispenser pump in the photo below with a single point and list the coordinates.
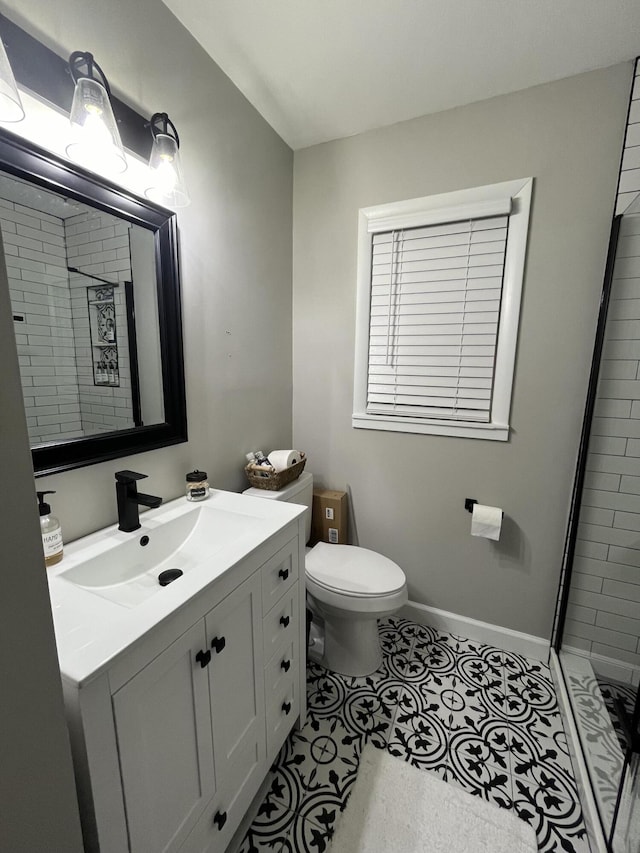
(50, 530)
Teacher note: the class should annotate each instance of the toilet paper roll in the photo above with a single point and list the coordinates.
(486, 521)
(281, 459)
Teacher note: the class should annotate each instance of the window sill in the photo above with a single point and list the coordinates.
(491, 432)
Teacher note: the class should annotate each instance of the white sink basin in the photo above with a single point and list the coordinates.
(105, 593)
(128, 573)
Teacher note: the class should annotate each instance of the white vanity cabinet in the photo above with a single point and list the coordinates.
(173, 740)
(281, 632)
(163, 727)
(190, 725)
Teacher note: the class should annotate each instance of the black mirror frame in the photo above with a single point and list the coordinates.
(23, 159)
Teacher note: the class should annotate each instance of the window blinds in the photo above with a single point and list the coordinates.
(434, 314)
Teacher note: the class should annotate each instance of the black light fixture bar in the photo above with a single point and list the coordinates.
(161, 123)
(80, 59)
(39, 69)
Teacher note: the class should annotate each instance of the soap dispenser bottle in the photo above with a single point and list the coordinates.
(51, 531)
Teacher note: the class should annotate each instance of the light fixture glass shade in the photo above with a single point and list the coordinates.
(167, 185)
(11, 109)
(95, 140)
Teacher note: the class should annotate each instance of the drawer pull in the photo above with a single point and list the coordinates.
(203, 658)
(286, 707)
(220, 819)
(284, 621)
(218, 644)
(284, 574)
(286, 664)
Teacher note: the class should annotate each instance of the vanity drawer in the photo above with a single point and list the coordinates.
(278, 670)
(281, 624)
(279, 574)
(283, 707)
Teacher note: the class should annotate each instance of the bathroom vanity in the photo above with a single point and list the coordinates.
(179, 697)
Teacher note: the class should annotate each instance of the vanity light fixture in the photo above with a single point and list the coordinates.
(167, 185)
(11, 109)
(96, 141)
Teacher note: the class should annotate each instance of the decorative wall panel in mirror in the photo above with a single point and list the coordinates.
(93, 278)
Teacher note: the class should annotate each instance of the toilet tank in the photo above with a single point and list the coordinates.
(298, 492)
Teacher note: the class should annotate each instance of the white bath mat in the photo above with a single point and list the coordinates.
(396, 808)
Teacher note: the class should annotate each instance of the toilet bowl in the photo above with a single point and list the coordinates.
(349, 587)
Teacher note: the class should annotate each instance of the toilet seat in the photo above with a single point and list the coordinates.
(353, 571)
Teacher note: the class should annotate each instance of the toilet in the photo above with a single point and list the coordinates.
(349, 587)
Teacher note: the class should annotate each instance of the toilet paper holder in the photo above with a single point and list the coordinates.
(469, 503)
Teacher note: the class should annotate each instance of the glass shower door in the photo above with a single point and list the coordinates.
(626, 825)
(602, 739)
(598, 634)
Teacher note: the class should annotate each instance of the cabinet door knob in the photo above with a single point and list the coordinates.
(203, 657)
(284, 621)
(286, 707)
(220, 819)
(285, 665)
(218, 644)
(284, 574)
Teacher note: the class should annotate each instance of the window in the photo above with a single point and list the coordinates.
(439, 284)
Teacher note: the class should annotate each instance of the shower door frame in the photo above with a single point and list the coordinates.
(578, 483)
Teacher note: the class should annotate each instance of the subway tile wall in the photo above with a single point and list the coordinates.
(629, 185)
(39, 286)
(98, 244)
(604, 602)
(52, 318)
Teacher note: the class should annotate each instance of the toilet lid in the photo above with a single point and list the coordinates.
(353, 570)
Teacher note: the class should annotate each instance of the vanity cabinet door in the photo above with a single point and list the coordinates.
(236, 685)
(163, 725)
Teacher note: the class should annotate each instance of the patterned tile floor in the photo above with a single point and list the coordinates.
(476, 716)
(613, 692)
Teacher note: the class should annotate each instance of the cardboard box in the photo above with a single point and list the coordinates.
(329, 518)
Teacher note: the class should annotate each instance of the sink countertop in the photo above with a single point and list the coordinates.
(91, 631)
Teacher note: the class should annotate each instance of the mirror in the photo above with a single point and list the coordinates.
(93, 279)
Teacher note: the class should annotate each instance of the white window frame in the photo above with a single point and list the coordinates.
(513, 197)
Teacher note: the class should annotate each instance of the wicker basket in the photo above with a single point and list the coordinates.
(265, 477)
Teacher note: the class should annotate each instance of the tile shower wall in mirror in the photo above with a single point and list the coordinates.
(85, 347)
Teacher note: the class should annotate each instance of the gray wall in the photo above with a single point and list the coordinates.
(409, 490)
(235, 245)
(146, 305)
(236, 276)
(37, 792)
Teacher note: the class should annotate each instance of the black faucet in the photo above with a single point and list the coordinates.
(129, 498)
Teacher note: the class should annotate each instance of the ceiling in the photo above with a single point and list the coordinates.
(323, 69)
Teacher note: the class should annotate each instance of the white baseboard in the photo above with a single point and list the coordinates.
(580, 771)
(482, 632)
